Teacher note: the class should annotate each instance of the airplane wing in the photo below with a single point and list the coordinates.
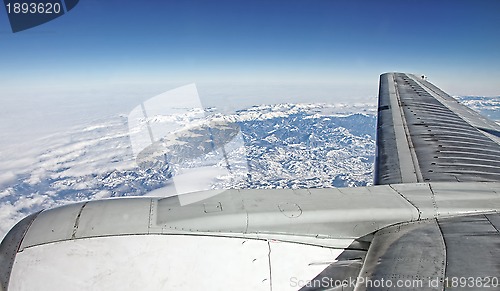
(424, 135)
(429, 223)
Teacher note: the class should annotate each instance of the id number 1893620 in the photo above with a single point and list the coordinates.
(33, 8)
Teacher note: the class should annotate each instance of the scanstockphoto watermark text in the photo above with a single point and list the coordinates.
(470, 282)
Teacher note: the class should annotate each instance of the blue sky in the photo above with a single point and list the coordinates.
(297, 41)
(115, 52)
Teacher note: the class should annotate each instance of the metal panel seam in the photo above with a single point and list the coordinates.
(77, 221)
(270, 268)
(445, 263)
(407, 200)
(487, 218)
(434, 204)
(152, 206)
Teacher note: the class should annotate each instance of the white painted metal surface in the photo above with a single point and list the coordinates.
(168, 262)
